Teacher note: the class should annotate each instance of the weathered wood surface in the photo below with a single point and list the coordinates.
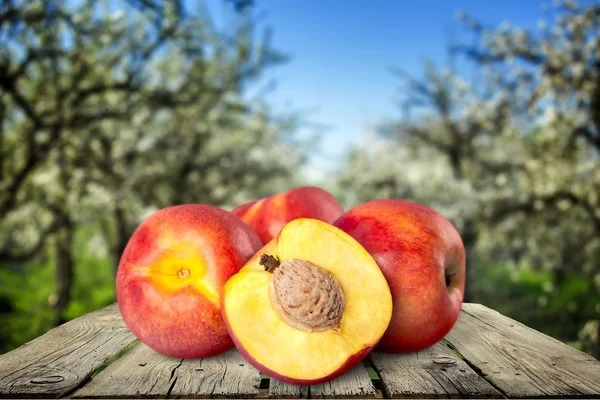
(142, 372)
(282, 390)
(354, 383)
(435, 372)
(520, 361)
(498, 357)
(59, 361)
(228, 375)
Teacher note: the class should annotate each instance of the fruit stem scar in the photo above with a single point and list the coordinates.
(449, 278)
(269, 262)
(183, 273)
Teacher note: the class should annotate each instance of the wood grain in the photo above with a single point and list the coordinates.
(227, 375)
(143, 372)
(520, 361)
(56, 363)
(354, 383)
(282, 390)
(435, 372)
(501, 357)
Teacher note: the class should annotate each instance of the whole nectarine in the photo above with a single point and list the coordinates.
(423, 259)
(171, 276)
(267, 216)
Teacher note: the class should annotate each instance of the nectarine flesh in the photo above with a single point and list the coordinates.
(309, 305)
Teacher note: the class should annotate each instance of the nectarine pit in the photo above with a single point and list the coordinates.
(306, 296)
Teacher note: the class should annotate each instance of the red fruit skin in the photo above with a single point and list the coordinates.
(269, 215)
(181, 323)
(415, 247)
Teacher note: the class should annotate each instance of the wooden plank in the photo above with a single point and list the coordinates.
(354, 383)
(143, 372)
(226, 375)
(520, 361)
(435, 372)
(62, 359)
(282, 390)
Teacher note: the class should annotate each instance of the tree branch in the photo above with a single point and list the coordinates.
(8, 255)
(528, 207)
(8, 85)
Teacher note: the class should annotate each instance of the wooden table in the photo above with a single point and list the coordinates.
(485, 355)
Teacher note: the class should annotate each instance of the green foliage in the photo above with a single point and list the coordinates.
(28, 290)
(112, 110)
(559, 307)
(94, 286)
(108, 112)
(25, 290)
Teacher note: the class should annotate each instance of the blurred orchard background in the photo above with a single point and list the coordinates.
(488, 112)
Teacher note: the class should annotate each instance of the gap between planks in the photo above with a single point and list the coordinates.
(435, 372)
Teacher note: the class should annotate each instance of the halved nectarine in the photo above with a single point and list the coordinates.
(309, 305)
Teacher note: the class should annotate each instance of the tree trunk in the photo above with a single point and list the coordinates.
(596, 345)
(597, 349)
(121, 236)
(63, 274)
(469, 237)
(455, 156)
(2, 112)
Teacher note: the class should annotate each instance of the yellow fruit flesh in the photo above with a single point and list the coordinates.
(293, 352)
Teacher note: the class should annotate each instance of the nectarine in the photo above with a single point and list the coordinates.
(171, 275)
(423, 259)
(267, 216)
(309, 305)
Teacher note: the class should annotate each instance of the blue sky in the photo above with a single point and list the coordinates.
(342, 52)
